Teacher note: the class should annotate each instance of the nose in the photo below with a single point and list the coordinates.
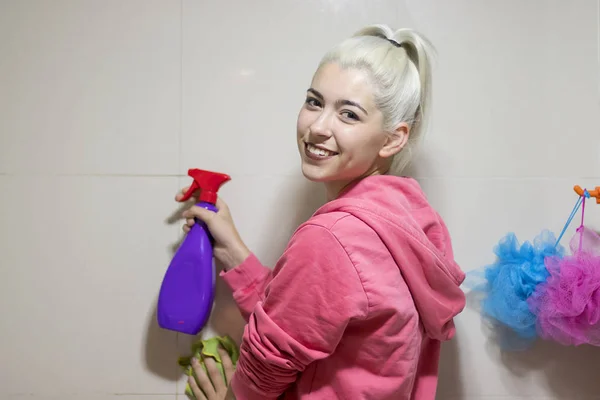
(321, 127)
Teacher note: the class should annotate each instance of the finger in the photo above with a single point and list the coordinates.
(195, 389)
(215, 375)
(180, 194)
(203, 380)
(190, 222)
(227, 365)
(200, 213)
(186, 228)
(183, 191)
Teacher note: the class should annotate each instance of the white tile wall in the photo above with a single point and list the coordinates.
(514, 77)
(90, 87)
(105, 105)
(82, 260)
(255, 61)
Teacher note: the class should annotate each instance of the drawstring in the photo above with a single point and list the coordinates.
(580, 229)
(580, 202)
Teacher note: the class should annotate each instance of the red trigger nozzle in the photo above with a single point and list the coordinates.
(190, 192)
(208, 182)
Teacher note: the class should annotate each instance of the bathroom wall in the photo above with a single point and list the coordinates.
(105, 105)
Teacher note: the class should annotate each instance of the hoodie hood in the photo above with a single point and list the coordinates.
(418, 240)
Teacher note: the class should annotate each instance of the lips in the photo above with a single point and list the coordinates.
(318, 152)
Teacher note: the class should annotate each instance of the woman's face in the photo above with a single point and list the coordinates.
(340, 130)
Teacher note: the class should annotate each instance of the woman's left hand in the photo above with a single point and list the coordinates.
(212, 383)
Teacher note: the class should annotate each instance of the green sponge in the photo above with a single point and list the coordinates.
(208, 348)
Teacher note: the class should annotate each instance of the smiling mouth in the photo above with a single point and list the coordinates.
(317, 153)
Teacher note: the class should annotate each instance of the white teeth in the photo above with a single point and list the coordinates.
(319, 152)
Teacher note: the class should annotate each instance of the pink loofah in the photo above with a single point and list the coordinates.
(567, 305)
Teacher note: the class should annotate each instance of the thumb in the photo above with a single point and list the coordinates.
(221, 205)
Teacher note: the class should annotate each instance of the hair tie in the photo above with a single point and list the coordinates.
(392, 41)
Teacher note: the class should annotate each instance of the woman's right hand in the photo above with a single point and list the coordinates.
(229, 248)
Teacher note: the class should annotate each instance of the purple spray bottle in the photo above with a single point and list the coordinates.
(187, 292)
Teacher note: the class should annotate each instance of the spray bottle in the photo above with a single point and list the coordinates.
(187, 292)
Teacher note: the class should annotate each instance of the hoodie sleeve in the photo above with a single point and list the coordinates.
(247, 282)
(313, 295)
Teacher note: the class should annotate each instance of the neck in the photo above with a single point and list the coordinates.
(336, 188)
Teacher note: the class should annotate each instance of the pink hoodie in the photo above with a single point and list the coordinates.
(357, 305)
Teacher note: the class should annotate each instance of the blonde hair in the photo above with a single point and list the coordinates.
(399, 64)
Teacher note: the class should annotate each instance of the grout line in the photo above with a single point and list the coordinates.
(177, 380)
(180, 144)
(177, 346)
(140, 394)
(264, 176)
(99, 175)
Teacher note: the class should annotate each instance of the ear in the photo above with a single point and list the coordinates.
(395, 141)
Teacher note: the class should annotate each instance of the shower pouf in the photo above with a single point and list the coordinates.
(509, 282)
(567, 304)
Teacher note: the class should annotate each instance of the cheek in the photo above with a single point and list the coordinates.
(362, 147)
(302, 123)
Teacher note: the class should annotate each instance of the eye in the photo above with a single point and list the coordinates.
(312, 102)
(351, 115)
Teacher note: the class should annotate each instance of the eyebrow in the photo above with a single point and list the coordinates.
(339, 102)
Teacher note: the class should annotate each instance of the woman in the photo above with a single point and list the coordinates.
(367, 288)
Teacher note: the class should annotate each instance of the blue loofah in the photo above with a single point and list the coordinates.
(508, 283)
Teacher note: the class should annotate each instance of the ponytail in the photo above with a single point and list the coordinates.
(421, 53)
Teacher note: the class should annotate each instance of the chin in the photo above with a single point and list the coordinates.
(315, 174)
